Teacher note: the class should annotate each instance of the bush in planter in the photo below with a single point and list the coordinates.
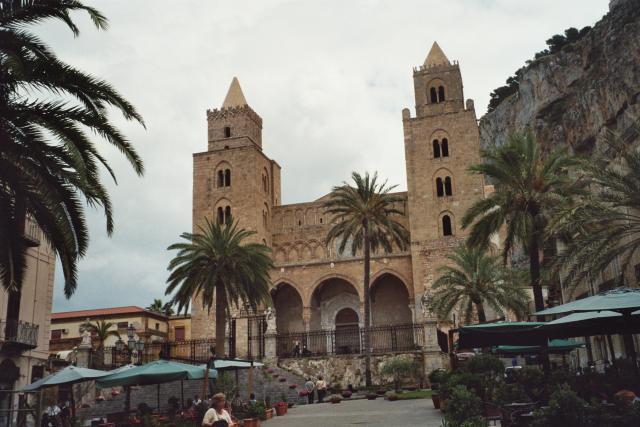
(303, 393)
(462, 406)
(533, 382)
(437, 377)
(391, 396)
(399, 367)
(293, 386)
(470, 381)
(346, 394)
(372, 396)
(257, 411)
(565, 409)
(486, 364)
(335, 398)
(282, 379)
(510, 393)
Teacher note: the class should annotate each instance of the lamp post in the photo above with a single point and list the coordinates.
(132, 346)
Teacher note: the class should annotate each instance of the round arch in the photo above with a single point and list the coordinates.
(328, 297)
(390, 299)
(329, 276)
(287, 302)
(396, 273)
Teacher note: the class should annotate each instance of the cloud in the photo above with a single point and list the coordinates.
(329, 79)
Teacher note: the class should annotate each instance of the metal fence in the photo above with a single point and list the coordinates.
(350, 340)
(190, 351)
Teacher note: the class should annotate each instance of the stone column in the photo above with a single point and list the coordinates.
(306, 318)
(270, 353)
(83, 355)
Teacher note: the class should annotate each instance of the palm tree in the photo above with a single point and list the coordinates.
(218, 261)
(101, 330)
(604, 226)
(474, 279)
(529, 185)
(49, 166)
(363, 217)
(159, 307)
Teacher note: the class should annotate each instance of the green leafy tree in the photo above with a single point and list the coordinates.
(163, 308)
(529, 187)
(49, 165)
(101, 330)
(398, 368)
(363, 217)
(219, 262)
(474, 279)
(604, 226)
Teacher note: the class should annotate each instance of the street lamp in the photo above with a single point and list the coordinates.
(132, 343)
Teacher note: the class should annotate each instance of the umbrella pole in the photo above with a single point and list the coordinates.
(612, 352)
(587, 343)
(158, 397)
(127, 400)
(181, 394)
(630, 345)
(250, 379)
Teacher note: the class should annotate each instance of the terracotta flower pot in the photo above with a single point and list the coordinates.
(346, 394)
(435, 398)
(251, 422)
(281, 410)
(372, 396)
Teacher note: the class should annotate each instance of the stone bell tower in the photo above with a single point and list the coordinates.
(441, 141)
(233, 179)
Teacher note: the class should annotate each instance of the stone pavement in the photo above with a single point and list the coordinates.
(379, 412)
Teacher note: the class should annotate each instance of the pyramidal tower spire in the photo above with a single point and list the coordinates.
(436, 56)
(235, 97)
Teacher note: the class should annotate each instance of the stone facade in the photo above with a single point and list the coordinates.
(314, 286)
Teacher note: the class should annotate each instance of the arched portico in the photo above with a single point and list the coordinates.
(390, 301)
(287, 302)
(330, 297)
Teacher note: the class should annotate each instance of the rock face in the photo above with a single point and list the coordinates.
(572, 96)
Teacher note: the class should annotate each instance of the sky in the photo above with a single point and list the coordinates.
(329, 78)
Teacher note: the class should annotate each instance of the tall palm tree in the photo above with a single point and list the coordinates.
(162, 308)
(101, 330)
(529, 185)
(218, 261)
(474, 279)
(363, 217)
(49, 166)
(603, 226)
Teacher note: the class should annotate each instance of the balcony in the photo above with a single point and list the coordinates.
(31, 232)
(17, 336)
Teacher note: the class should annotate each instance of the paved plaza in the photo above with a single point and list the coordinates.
(379, 412)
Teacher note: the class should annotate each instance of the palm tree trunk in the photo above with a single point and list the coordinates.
(221, 321)
(534, 269)
(15, 294)
(367, 303)
(482, 317)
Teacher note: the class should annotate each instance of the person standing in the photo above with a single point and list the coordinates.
(321, 386)
(310, 387)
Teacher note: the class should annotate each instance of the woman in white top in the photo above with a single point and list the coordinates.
(217, 412)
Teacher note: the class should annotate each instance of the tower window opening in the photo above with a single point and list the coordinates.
(433, 95)
(445, 147)
(227, 177)
(220, 178)
(441, 94)
(227, 132)
(320, 220)
(299, 223)
(439, 187)
(447, 186)
(436, 149)
(220, 216)
(227, 214)
(446, 226)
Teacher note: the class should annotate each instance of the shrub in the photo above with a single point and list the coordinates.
(477, 421)
(335, 398)
(462, 406)
(509, 393)
(471, 381)
(438, 376)
(565, 409)
(533, 382)
(257, 410)
(391, 396)
(399, 367)
(346, 394)
(486, 364)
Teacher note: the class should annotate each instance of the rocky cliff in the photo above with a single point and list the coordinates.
(571, 96)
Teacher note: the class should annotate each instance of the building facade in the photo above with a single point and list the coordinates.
(24, 333)
(316, 288)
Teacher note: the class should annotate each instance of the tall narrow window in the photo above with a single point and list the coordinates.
(445, 147)
(227, 214)
(227, 132)
(433, 95)
(436, 149)
(227, 177)
(220, 178)
(446, 226)
(439, 187)
(441, 94)
(447, 186)
(220, 216)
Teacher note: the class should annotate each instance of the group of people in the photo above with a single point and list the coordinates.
(312, 387)
(57, 415)
(300, 351)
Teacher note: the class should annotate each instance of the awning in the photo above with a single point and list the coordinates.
(500, 333)
(555, 346)
(68, 375)
(621, 300)
(157, 372)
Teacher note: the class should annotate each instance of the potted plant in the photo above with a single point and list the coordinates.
(399, 368)
(381, 391)
(303, 393)
(391, 396)
(372, 396)
(282, 379)
(255, 412)
(270, 371)
(281, 408)
(293, 386)
(346, 394)
(435, 398)
(437, 377)
(268, 413)
(275, 375)
(283, 400)
(335, 398)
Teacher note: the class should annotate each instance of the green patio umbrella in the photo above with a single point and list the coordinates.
(555, 346)
(68, 375)
(620, 300)
(158, 372)
(500, 333)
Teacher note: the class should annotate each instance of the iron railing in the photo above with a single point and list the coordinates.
(350, 340)
(18, 334)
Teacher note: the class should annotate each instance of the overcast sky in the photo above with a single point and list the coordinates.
(329, 79)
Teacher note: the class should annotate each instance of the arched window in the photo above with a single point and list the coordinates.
(227, 132)
(436, 149)
(220, 179)
(264, 218)
(446, 226)
(447, 186)
(220, 216)
(445, 147)
(227, 177)
(227, 214)
(439, 187)
(441, 94)
(433, 95)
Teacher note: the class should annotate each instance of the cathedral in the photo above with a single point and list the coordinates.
(318, 292)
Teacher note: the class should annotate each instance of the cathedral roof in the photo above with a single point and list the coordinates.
(235, 97)
(436, 57)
